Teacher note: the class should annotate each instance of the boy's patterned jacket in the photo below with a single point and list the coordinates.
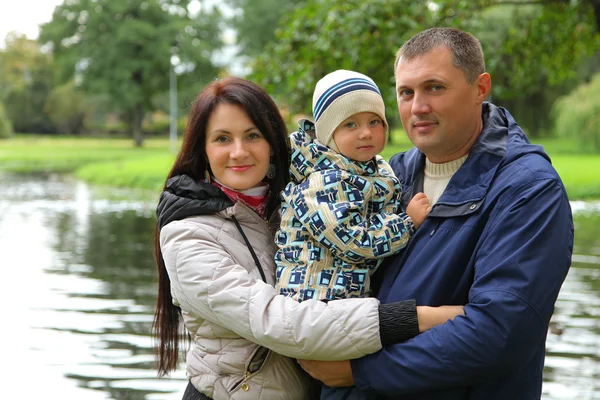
(340, 218)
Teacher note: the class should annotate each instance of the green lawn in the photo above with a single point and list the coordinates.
(27, 153)
(580, 174)
(147, 172)
(116, 162)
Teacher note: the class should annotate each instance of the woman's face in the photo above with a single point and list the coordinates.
(238, 153)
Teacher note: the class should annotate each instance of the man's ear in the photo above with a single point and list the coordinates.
(484, 85)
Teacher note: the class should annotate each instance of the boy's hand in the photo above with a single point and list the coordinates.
(418, 209)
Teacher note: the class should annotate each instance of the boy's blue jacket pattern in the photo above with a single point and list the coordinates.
(500, 241)
(339, 220)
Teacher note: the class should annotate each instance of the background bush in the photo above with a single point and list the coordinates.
(6, 129)
(577, 115)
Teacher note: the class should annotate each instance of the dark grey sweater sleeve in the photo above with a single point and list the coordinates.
(398, 321)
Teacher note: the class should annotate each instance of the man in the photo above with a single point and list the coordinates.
(499, 238)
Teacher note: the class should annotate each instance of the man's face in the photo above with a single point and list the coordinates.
(440, 110)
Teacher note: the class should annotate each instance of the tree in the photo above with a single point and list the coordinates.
(361, 35)
(123, 48)
(26, 78)
(531, 61)
(16, 60)
(254, 20)
(67, 107)
(530, 46)
(533, 52)
(577, 115)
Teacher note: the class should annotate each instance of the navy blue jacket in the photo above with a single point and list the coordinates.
(499, 240)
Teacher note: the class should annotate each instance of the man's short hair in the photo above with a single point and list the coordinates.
(466, 50)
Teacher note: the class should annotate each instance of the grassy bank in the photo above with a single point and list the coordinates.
(116, 162)
(112, 162)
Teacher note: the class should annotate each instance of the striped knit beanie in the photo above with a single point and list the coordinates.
(339, 95)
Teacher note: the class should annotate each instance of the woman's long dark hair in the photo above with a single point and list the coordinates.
(191, 161)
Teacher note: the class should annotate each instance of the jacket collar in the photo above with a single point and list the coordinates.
(184, 197)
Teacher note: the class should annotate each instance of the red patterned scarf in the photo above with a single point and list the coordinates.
(256, 198)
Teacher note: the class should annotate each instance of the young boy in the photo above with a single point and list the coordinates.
(341, 213)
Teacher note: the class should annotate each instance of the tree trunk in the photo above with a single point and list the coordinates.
(136, 125)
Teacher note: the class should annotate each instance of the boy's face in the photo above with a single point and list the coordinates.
(360, 137)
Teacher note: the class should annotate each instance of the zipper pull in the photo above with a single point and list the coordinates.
(245, 386)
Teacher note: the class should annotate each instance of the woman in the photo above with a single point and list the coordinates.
(214, 249)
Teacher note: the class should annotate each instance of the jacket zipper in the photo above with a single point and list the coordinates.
(245, 387)
(249, 374)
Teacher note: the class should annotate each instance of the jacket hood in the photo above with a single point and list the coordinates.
(309, 156)
(501, 135)
(501, 142)
(184, 197)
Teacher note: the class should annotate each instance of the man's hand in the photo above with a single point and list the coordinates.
(331, 373)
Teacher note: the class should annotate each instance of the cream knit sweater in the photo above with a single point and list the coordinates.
(437, 177)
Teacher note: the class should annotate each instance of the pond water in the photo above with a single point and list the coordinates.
(79, 290)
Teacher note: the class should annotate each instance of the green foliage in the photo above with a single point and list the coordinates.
(577, 115)
(254, 21)
(532, 50)
(160, 124)
(17, 60)
(26, 78)
(66, 106)
(6, 129)
(361, 35)
(123, 49)
(536, 53)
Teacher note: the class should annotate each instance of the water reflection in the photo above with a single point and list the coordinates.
(82, 286)
(573, 358)
(80, 289)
